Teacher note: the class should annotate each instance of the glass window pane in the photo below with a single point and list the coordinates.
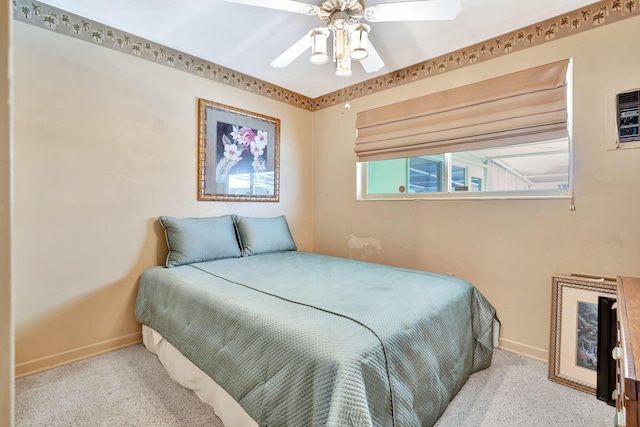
(476, 184)
(524, 167)
(387, 176)
(458, 178)
(426, 174)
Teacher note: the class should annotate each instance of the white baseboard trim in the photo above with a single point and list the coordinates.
(536, 353)
(48, 362)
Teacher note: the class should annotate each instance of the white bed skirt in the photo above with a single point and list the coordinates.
(188, 375)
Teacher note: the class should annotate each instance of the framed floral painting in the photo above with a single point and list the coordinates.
(573, 350)
(238, 154)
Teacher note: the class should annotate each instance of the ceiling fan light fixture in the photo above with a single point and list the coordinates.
(359, 41)
(319, 52)
(343, 66)
(341, 18)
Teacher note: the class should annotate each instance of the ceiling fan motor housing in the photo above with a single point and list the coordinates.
(341, 12)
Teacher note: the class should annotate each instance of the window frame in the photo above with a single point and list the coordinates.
(448, 194)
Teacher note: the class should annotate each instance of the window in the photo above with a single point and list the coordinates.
(476, 184)
(458, 178)
(504, 137)
(537, 169)
(425, 174)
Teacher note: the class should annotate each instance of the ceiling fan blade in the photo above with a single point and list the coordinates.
(373, 62)
(293, 52)
(429, 10)
(288, 5)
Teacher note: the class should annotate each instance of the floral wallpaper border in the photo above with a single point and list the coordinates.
(579, 20)
(583, 19)
(60, 21)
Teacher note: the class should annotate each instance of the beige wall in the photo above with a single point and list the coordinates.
(6, 314)
(508, 248)
(104, 144)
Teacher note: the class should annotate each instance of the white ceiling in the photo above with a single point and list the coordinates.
(247, 39)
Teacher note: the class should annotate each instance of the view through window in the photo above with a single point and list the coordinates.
(542, 167)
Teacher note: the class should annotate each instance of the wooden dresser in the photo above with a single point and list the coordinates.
(627, 368)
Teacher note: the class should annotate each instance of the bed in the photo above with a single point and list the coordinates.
(303, 339)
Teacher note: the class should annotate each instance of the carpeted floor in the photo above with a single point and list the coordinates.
(129, 387)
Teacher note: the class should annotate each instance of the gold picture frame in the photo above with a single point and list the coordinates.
(574, 302)
(238, 154)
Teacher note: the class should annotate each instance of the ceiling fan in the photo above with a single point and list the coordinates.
(351, 37)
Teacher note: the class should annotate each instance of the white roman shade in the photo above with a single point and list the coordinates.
(526, 106)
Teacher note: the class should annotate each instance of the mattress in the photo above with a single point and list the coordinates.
(305, 339)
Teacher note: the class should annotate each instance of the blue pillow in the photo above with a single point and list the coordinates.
(263, 235)
(199, 239)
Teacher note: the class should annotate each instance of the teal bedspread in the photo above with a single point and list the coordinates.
(302, 339)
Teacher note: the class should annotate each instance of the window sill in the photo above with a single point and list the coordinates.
(542, 195)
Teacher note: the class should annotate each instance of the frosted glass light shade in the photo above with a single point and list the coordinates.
(319, 53)
(343, 66)
(359, 41)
